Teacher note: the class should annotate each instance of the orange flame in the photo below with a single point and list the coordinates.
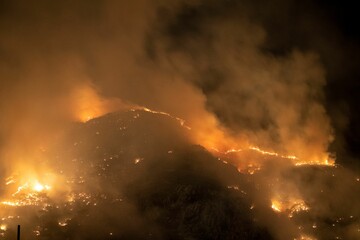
(89, 104)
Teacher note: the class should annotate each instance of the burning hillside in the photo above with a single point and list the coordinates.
(136, 174)
(156, 119)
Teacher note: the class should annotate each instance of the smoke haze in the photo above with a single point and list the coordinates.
(145, 53)
(245, 82)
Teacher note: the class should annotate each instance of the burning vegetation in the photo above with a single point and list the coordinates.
(185, 127)
(149, 186)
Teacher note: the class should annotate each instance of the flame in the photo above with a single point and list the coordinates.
(324, 162)
(218, 141)
(26, 188)
(260, 151)
(3, 227)
(30, 189)
(26, 196)
(206, 131)
(38, 187)
(64, 222)
(14, 203)
(31, 186)
(290, 206)
(254, 165)
(180, 120)
(276, 206)
(272, 153)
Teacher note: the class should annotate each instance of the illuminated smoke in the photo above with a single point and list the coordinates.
(199, 64)
(88, 104)
(224, 87)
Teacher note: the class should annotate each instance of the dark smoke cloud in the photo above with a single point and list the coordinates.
(273, 101)
(222, 56)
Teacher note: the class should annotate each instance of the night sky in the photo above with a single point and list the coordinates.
(343, 72)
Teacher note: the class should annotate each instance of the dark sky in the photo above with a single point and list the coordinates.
(333, 31)
(343, 87)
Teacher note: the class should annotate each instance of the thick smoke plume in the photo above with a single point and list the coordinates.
(209, 66)
(275, 102)
(233, 93)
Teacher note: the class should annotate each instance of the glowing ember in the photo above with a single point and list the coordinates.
(63, 223)
(272, 153)
(29, 187)
(9, 180)
(26, 193)
(290, 206)
(251, 168)
(276, 206)
(180, 120)
(298, 207)
(35, 191)
(137, 160)
(39, 187)
(325, 162)
(91, 105)
(305, 237)
(9, 203)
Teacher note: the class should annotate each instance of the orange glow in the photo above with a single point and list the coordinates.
(272, 153)
(38, 187)
(207, 132)
(180, 120)
(290, 206)
(249, 167)
(276, 206)
(305, 237)
(27, 188)
(325, 162)
(88, 104)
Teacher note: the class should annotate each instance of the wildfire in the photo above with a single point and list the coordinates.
(276, 206)
(324, 162)
(38, 187)
(25, 193)
(31, 186)
(290, 207)
(32, 190)
(88, 104)
(272, 153)
(327, 161)
(251, 166)
(180, 120)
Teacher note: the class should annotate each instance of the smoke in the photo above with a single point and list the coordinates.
(274, 102)
(220, 66)
(233, 94)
